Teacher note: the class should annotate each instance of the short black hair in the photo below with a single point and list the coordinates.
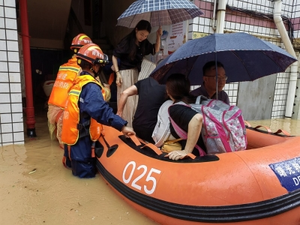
(84, 64)
(211, 64)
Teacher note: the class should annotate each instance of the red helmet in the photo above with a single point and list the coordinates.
(92, 53)
(79, 41)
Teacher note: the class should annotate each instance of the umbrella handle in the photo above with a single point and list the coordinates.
(217, 85)
(158, 35)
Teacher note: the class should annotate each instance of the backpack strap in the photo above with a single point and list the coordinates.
(200, 98)
(182, 134)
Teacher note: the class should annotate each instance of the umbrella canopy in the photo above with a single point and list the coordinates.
(245, 58)
(158, 12)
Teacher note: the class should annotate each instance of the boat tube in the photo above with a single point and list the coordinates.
(260, 185)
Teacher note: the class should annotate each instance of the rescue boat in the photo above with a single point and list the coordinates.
(260, 185)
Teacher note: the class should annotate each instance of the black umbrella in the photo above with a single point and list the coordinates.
(244, 57)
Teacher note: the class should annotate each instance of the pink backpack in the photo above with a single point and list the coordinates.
(223, 128)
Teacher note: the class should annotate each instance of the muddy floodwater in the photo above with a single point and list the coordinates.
(36, 189)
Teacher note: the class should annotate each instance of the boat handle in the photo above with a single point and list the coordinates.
(135, 140)
(138, 142)
(247, 123)
(154, 148)
(267, 128)
(282, 131)
(190, 155)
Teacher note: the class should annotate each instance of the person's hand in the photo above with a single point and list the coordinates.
(119, 113)
(159, 31)
(127, 131)
(119, 80)
(176, 155)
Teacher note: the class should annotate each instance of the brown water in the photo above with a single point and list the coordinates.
(289, 125)
(36, 189)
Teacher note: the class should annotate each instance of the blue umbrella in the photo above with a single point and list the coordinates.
(158, 12)
(245, 58)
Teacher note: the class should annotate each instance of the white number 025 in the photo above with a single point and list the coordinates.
(149, 177)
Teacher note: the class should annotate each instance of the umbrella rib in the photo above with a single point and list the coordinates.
(279, 65)
(131, 21)
(263, 52)
(144, 6)
(270, 51)
(241, 61)
(246, 61)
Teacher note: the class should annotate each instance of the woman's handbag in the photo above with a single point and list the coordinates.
(171, 145)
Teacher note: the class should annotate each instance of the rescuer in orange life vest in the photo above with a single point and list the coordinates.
(64, 81)
(86, 104)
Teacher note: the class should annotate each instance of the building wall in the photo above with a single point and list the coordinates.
(47, 21)
(11, 110)
(110, 15)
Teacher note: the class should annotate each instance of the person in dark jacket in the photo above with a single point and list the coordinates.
(208, 87)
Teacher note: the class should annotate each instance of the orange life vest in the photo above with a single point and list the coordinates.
(63, 82)
(70, 128)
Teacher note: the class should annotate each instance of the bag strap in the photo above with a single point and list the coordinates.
(182, 134)
(200, 98)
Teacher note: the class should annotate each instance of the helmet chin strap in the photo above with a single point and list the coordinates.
(98, 73)
(92, 72)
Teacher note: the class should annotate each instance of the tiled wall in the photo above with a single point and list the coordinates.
(254, 17)
(11, 110)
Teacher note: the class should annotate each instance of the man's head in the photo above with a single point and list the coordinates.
(209, 77)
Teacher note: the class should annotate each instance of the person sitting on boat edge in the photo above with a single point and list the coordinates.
(86, 104)
(151, 95)
(208, 87)
(178, 89)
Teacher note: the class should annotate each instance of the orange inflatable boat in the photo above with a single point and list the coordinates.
(260, 185)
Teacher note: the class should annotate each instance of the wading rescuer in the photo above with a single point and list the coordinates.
(85, 109)
(64, 80)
